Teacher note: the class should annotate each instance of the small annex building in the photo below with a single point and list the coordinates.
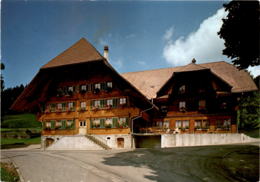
(78, 94)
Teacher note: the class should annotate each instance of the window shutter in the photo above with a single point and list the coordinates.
(102, 123)
(115, 123)
(127, 122)
(63, 124)
(115, 103)
(52, 125)
(102, 103)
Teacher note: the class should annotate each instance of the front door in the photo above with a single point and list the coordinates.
(82, 127)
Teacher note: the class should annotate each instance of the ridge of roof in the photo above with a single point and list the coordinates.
(80, 52)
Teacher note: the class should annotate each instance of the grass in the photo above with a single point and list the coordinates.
(20, 121)
(19, 130)
(9, 173)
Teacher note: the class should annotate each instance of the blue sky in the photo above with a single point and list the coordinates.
(140, 35)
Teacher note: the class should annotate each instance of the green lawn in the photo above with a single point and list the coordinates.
(20, 130)
(20, 121)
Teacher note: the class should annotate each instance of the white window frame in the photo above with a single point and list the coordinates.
(182, 104)
(110, 102)
(83, 88)
(97, 86)
(70, 89)
(70, 105)
(122, 101)
(109, 84)
(59, 106)
(83, 105)
(97, 103)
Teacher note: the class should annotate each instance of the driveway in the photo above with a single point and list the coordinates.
(211, 163)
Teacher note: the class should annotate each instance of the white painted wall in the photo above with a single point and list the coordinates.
(112, 142)
(173, 140)
(72, 143)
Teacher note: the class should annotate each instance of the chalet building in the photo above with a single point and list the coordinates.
(79, 93)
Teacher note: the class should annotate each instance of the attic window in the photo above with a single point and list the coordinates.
(202, 104)
(182, 106)
(182, 89)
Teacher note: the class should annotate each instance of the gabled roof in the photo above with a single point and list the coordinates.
(191, 67)
(80, 52)
(151, 81)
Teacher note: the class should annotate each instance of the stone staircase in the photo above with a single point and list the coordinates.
(98, 142)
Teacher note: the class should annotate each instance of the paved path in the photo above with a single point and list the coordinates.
(196, 164)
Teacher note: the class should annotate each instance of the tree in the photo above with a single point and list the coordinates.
(240, 31)
(2, 67)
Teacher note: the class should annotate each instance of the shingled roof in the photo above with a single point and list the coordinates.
(80, 52)
(149, 82)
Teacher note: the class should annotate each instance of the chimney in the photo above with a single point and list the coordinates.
(106, 52)
(193, 61)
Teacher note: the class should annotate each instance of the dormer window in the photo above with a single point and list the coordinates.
(182, 89)
(182, 106)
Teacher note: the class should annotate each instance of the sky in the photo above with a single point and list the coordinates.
(140, 35)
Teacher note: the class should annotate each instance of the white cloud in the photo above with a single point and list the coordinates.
(204, 44)
(255, 71)
(168, 34)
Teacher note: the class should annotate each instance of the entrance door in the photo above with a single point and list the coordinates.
(120, 142)
(82, 127)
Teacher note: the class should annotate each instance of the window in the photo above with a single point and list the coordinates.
(109, 84)
(201, 124)
(47, 124)
(166, 124)
(182, 89)
(82, 123)
(122, 101)
(96, 123)
(224, 124)
(71, 106)
(182, 106)
(70, 89)
(178, 124)
(186, 124)
(53, 107)
(97, 103)
(109, 102)
(63, 106)
(70, 124)
(182, 124)
(58, 124)
(59, 106)
(83, 88)
(159, 124)
(108, 123)
(83, 105)
(202, 104)
(122, 123)
(97, 86)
